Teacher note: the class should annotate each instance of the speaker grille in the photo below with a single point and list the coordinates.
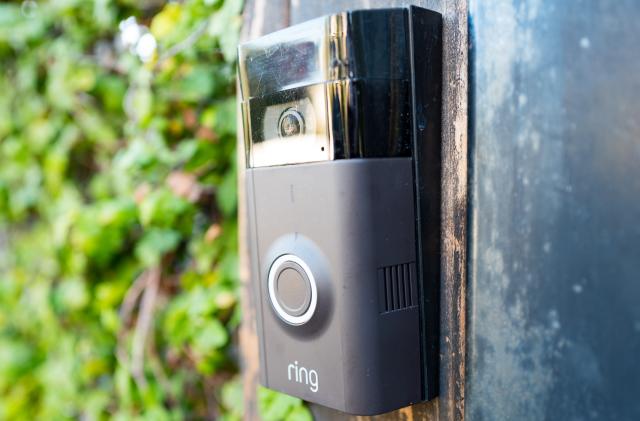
(397, 287)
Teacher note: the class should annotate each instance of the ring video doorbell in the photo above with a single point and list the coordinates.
(341, 119)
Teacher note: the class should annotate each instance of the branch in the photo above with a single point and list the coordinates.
(126, 309)
(144, 325)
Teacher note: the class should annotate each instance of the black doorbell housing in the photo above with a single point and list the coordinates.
(341, 117)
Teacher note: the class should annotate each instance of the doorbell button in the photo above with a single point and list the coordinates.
(292, 290)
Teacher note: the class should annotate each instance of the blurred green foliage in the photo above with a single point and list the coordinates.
(118, 231)
(275, 406)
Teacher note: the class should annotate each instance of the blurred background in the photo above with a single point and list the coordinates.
(118, 228)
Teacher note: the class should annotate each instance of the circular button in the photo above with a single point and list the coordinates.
(292, 289)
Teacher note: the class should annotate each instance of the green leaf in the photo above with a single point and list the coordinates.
(226, 25)
(196, 85)
(228, 194)
(299, 413)
(233, 396)
(275, 406)
(211, 336)
(224, 117)
(155, 244)
(111, 90)
(16, 357)
(165, 22)
(72, 294)
(162, 208)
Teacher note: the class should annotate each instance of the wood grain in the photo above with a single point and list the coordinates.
(260, 19)
(454, 210)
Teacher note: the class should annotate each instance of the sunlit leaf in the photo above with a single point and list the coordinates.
(155, 244)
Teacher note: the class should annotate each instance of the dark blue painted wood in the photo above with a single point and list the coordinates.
(554, 246)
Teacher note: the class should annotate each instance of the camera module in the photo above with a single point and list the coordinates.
(290, 123)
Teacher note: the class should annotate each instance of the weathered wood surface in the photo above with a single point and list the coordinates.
(263, 16)
(260, 17)
(454, 210)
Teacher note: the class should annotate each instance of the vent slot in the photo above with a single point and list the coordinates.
(397, 286)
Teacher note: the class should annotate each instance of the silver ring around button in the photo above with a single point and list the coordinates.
(273, 271)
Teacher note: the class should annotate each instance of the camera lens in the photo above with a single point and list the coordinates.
(291, 123)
